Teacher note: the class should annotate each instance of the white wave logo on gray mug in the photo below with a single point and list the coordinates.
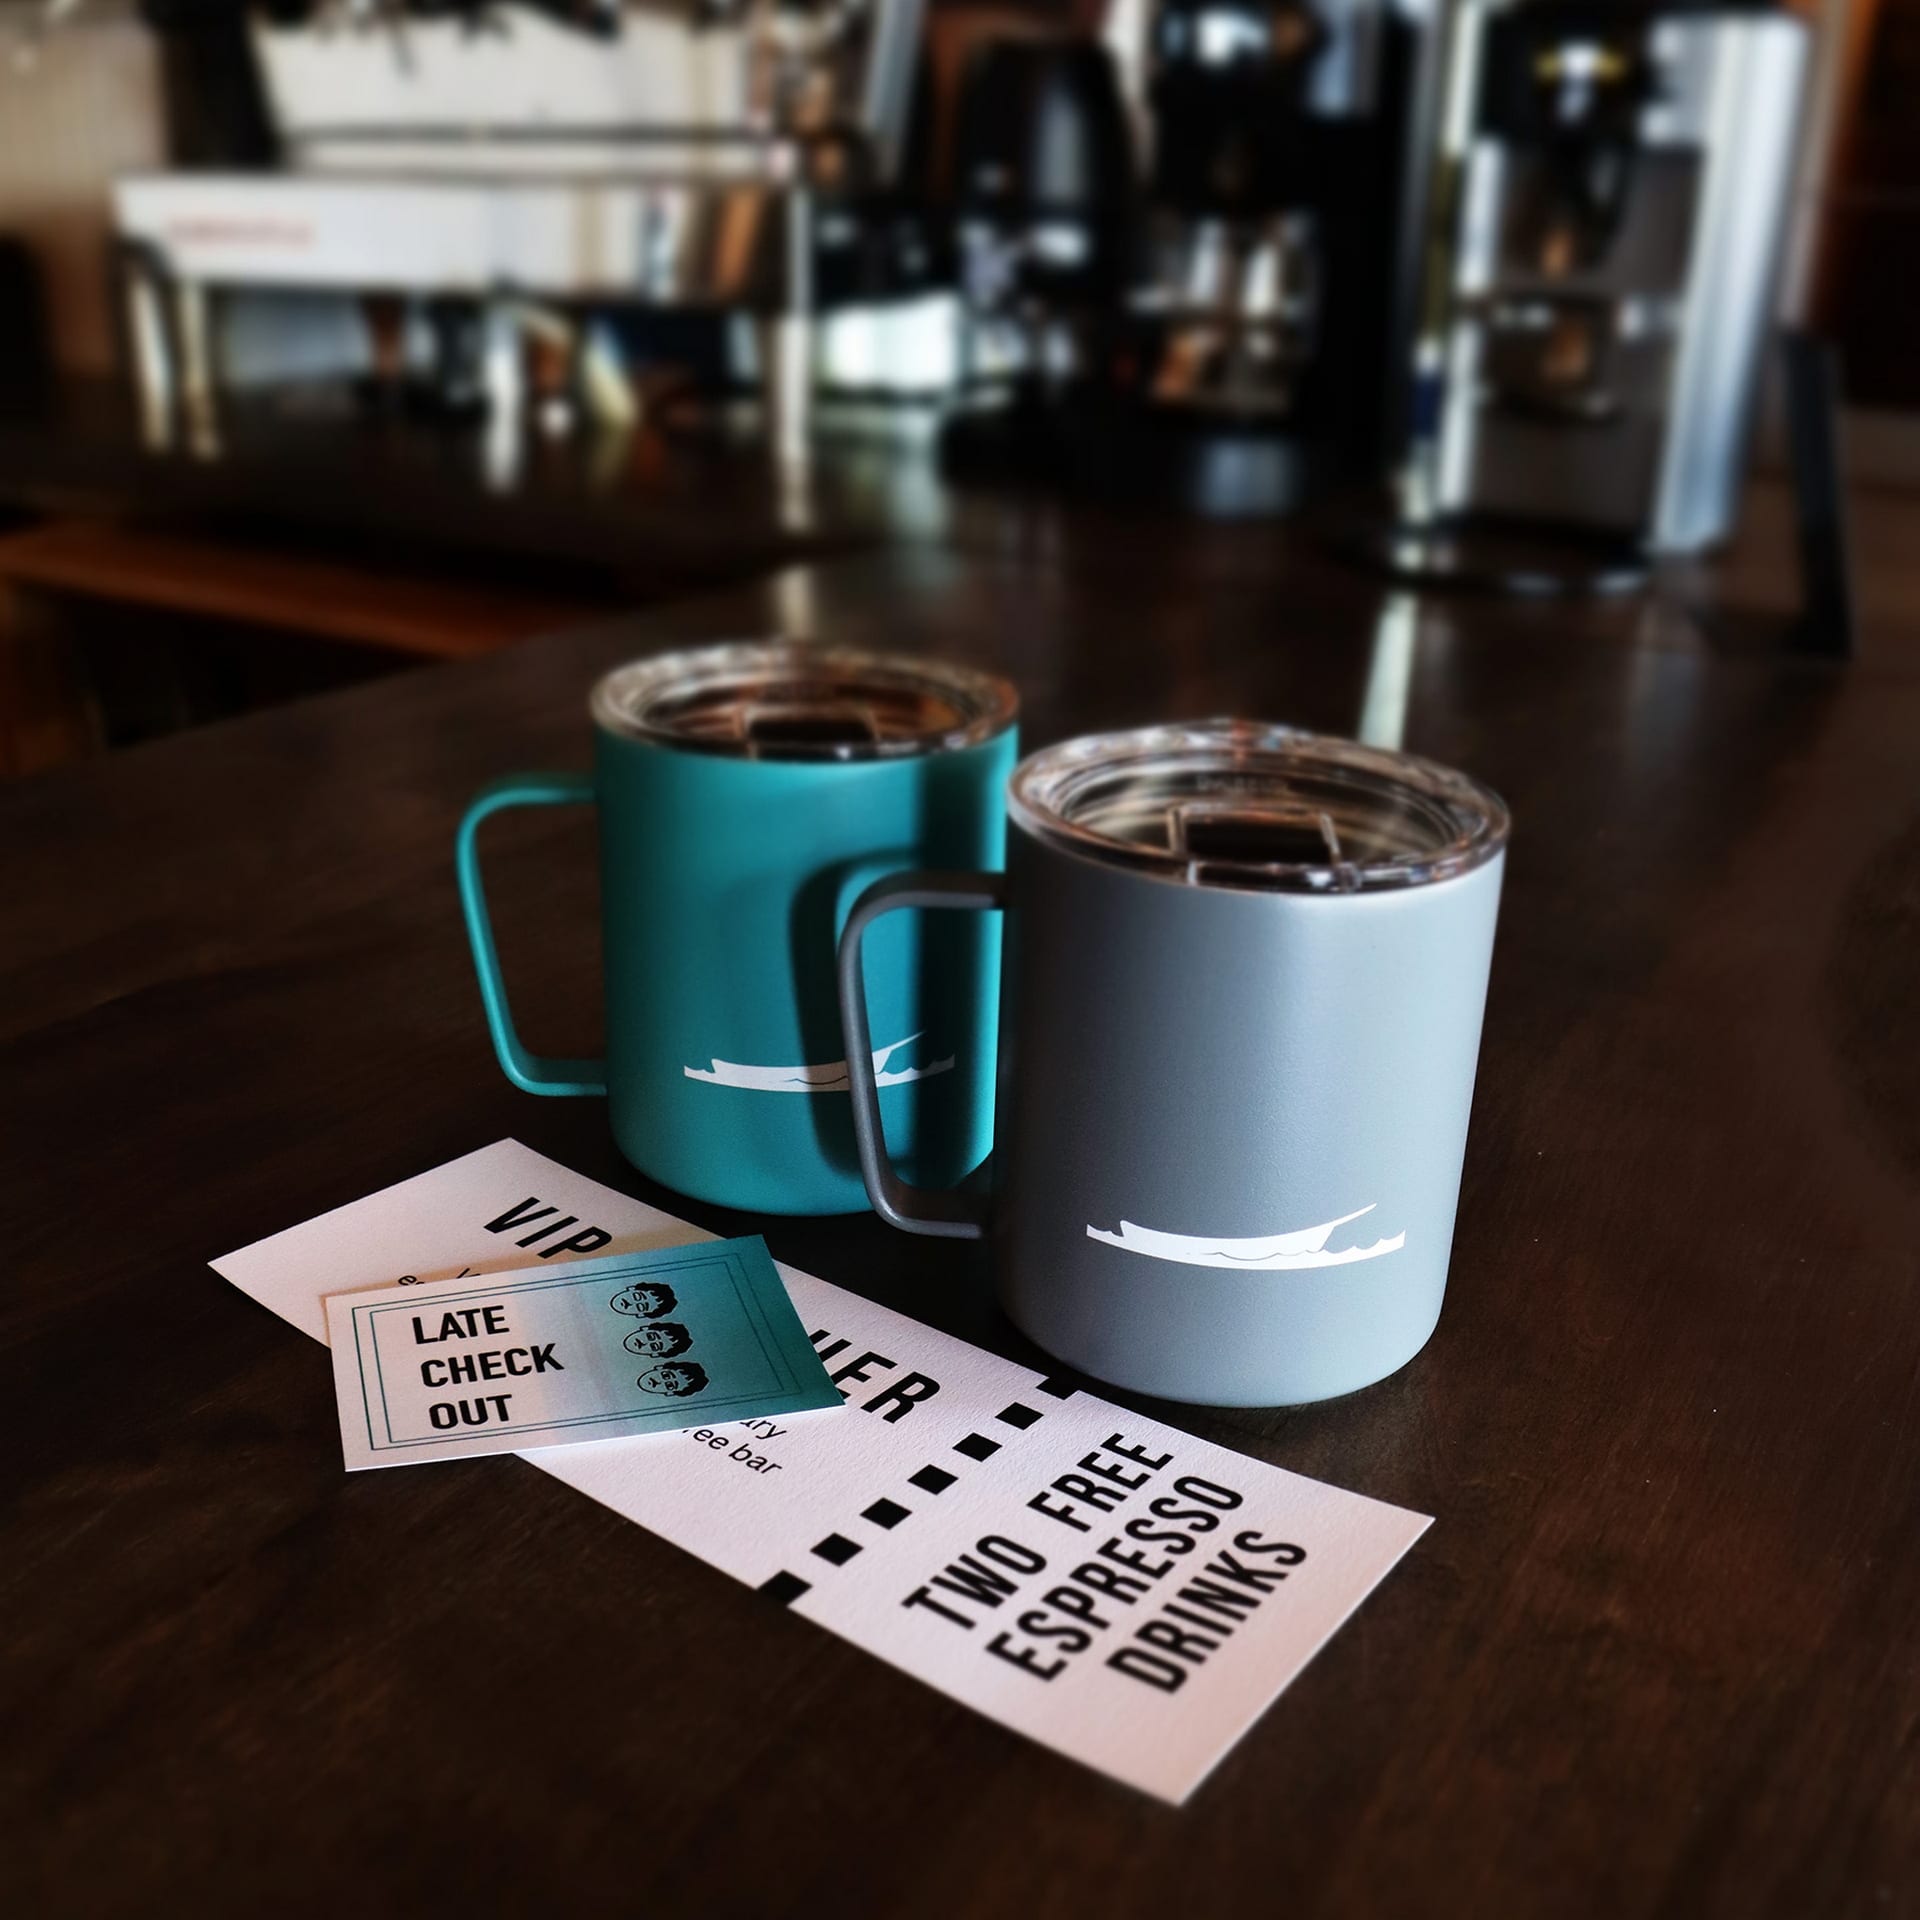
(1264, 1253)
(831, 1078)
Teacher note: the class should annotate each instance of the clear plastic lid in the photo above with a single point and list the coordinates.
(795, 700)
(1240, 804)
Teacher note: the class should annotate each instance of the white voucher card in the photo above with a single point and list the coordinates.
(1121, 1591)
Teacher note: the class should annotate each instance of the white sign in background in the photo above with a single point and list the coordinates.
(1121, 1591)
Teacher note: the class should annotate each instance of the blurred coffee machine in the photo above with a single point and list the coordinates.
(1190, 250)
(1602, 292)
(1234, 252)
(519, 179)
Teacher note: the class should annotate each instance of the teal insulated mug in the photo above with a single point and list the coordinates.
(747, 795)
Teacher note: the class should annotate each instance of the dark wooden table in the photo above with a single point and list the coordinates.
(1659, 1655)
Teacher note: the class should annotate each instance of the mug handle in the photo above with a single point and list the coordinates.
(533, 1071)
(952, 1214)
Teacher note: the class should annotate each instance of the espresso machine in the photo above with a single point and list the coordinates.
(515, 178)
(1614, 181)
(1199, 286)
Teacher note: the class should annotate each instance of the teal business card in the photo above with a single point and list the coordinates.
(549, 1357)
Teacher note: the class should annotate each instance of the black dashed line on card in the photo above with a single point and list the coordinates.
(932, 1479)
(1018, 1416)
(785, 1588)
(886, 1513)
(976, 1446)
(1058, 1389)
(837, 1549)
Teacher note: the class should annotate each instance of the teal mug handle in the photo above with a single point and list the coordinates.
(956, 1213)
(533, 1071)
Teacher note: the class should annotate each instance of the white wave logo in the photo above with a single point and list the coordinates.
(1266, 1253)
(831, 1078)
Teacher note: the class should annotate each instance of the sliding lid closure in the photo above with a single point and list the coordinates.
(792, 700)
(1242, 805)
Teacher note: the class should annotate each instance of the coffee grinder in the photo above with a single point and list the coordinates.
(1252, 346)
(1613, 185)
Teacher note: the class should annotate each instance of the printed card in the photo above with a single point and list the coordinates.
(1106, 1584)
(589, 1350)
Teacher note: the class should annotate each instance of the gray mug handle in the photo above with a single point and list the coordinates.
(952, 1214)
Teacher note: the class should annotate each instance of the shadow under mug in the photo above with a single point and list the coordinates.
(1244, 977)
(747, 794)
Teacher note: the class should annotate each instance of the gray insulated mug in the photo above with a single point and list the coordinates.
(1241, 996)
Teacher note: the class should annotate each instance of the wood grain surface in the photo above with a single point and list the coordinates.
(399, 612)
(1660, 1655)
